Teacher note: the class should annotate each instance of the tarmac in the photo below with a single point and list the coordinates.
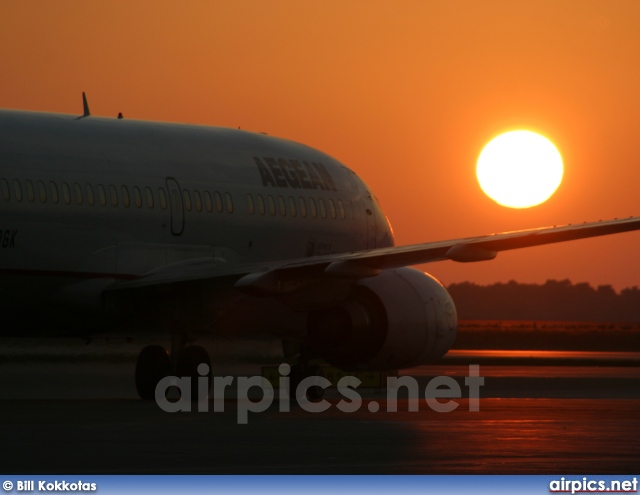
(83, 417)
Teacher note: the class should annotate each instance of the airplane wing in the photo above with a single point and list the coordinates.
(285, 276)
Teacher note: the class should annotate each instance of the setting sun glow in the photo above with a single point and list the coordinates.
(519, 169)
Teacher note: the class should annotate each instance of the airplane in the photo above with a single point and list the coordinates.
(189, 230)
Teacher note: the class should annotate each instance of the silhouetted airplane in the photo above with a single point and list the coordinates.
(190, 230)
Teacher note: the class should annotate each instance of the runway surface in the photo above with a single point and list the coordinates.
(83, 417)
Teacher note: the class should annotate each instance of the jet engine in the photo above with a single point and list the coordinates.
(398, 319)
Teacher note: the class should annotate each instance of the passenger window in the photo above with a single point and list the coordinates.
(323, 208)
(125, 196)
(303, 207)
(187, 200)
(292, 206)
(313, 207)
(250, 206)
(149, 194)
(78, 191)
(197, 199)
(218, 202)
(229, 202)
(6, 193)
(341, 210)
(332, 208)
(137, 197)
(260, 204)
(272, 205)
(102, 196)
(54, 192)
(163, 198)
(207, 201)
(17, 189)
(31, 195)
(283, 206)
(90, 198)
(42, 190)
(114, 195)
(66, 193)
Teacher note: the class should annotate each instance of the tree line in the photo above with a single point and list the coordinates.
(558, 300)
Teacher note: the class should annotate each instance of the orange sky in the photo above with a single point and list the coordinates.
(405, 93)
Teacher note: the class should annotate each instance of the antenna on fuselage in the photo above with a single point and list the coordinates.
(85, 106)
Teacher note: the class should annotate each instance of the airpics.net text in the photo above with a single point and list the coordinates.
(255, 394)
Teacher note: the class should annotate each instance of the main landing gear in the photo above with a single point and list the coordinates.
(154, 364)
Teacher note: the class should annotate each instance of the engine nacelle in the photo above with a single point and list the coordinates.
(398, 319)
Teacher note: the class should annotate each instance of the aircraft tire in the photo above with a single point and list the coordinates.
(153, 364)
(299, 373)
(190, 359)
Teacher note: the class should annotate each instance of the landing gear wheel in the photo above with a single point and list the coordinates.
(299, 372)
(190, 359)
(153, 365)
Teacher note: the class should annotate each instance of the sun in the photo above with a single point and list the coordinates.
(519, 169)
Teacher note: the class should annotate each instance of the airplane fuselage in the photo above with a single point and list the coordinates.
(88, 201)
(180, 230)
